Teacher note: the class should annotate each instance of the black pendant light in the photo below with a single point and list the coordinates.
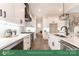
(63, 9)
(64, 16)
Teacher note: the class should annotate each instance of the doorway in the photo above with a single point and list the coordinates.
(39, 43)
(39, 27)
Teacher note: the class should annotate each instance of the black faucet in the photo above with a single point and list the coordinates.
(66, 30)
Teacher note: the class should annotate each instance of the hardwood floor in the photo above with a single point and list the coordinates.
(39, 43)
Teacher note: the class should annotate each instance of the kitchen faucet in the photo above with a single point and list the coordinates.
(66, 29)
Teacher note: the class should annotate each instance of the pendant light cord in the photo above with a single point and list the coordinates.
(63, 9)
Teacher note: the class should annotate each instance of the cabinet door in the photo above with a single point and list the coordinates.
(51, 43)
(9, 9)
(57, 46)
(26, 43)
(54, 43)
(14, 12)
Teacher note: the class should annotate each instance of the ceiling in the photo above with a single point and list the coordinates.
(49, 9)
(45, 9)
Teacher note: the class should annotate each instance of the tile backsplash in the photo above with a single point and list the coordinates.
(7, 25)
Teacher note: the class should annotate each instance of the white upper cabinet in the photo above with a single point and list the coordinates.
(19, 12)
(7, 8)
(14, 12)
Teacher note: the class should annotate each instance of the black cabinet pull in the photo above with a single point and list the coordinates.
(53, 43)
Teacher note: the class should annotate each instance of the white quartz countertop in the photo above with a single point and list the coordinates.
(73, 40)
(4, 42)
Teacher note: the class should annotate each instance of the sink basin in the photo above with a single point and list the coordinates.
(15, 35)
(60, 35)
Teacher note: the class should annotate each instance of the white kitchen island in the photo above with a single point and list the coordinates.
(54, 41)
(8, 43)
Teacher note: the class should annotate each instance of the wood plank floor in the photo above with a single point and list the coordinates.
(39, 43)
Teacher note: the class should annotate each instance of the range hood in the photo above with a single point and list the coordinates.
(28, 19)
(65, 16)
(27, 15)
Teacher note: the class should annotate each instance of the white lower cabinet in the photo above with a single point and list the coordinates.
(57, 44)
(51, 43)
(54, 43)
(27, 42)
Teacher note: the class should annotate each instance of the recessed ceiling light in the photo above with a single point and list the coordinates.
(39, 25)
(60, 10)
(39, 10)
(77, 16)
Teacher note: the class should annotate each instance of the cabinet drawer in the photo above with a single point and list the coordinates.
(27, 43)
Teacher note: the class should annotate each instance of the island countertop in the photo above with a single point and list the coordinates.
(73, 40)
(4, 42)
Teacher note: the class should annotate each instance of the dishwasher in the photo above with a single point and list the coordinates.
(67, 46)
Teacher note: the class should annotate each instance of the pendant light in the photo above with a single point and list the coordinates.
(64, 16)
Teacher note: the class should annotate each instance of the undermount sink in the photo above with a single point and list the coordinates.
(60, 35)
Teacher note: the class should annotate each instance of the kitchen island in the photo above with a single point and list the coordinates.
(54, 41)
(8, 43)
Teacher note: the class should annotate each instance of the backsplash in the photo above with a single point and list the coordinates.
(7, 25)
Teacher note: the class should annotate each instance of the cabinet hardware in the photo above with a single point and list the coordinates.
(53, 43)
(27, 42)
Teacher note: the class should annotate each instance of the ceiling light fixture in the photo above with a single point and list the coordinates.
(64, 16)
(60, 10)
(39, 10)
